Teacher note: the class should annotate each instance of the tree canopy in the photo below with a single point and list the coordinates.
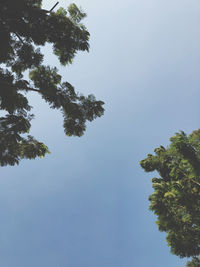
(176, 196)
(195, 262)
(24, 28)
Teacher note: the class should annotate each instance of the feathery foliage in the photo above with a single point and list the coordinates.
(195, 262)
(24, 28)
(176, 196)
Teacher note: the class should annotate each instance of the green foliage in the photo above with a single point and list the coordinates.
(24, 28)
(195, 262)
(76, 14)
(176, 196)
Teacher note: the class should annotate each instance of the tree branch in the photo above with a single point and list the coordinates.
(19, 37)
(53, 7)
(30, 89)
(16, 87)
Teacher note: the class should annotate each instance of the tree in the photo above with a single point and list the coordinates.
(24, 28)
(176, 196)
(195, 262)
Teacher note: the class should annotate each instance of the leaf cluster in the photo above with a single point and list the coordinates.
(24, 28)
(176, 196)
(195, 262)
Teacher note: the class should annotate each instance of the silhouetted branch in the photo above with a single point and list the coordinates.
(19, 37)
(16, 87)
(53, 7)
(29, 89)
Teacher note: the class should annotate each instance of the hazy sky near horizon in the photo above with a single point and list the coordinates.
(86, 204)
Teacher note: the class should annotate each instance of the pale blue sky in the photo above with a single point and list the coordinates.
(86, 204)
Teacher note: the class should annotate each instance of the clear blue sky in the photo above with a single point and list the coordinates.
(86, 204)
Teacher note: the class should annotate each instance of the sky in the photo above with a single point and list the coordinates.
(86, 204)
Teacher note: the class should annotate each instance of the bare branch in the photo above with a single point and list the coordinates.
(53, 7)
(19, 37)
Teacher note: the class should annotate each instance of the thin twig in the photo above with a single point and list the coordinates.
(19, 37)
(30, 89)
(53, 7)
